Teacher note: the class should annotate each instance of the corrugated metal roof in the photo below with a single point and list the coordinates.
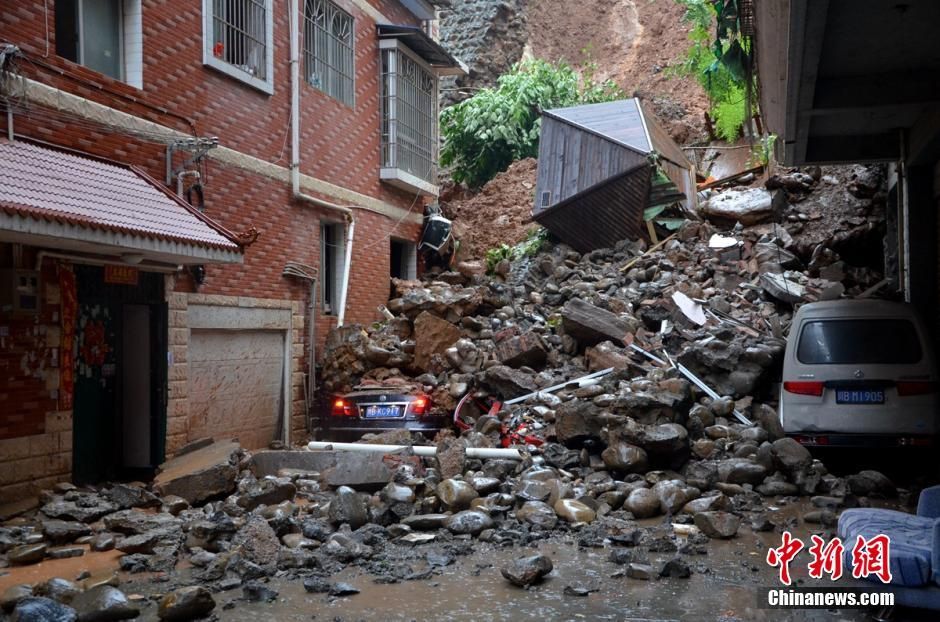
(604, 214)
(48, 184)
(618, 121)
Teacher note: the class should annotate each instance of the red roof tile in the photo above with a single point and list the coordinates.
(47, 184)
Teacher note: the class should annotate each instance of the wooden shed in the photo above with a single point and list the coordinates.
(600, 167)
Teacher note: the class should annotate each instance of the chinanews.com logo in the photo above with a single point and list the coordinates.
(870, 559)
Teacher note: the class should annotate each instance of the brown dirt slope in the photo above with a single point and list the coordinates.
(631, 42)
(498, 214)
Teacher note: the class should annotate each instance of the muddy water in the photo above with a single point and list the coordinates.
(724, 587)
(103, 563)
(473, 589)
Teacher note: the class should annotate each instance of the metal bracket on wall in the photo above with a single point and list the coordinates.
(196, 147)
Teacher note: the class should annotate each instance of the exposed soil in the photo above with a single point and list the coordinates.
(631, 42)
(498, 214)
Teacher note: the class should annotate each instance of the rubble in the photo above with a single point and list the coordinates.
(585, 352)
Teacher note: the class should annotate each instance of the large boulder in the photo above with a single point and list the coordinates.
(717, 524)
(625, 458)
(433, 335)
(578, 419)
(527, 571)
(749, 207)
(199, 475)
(790, 455)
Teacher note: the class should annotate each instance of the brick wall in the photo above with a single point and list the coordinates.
(35, 436)
(339, 145)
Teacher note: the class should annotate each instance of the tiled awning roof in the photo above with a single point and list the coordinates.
(88, 193)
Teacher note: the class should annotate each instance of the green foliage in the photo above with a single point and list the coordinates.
(530, 247)
(496, 255)
(763, 151)
(533, 244)
(486, 133)
(716, 58)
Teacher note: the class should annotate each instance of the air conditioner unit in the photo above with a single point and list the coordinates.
(19, 291)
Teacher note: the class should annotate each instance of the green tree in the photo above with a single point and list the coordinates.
(486, 133)
(718, 58)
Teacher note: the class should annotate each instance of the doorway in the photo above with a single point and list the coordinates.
(119, 418)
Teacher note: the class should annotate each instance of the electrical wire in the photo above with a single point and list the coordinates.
(388, 236)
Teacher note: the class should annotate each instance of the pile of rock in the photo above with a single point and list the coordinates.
(401, 517)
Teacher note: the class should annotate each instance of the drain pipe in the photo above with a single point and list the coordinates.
(295, 159)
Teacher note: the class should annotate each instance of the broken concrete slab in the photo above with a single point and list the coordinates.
(199, 475)
(336, 468)
(591, 325)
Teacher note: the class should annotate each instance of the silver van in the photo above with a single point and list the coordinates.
(859, 373)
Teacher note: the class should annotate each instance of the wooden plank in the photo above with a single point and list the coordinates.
(572, 178)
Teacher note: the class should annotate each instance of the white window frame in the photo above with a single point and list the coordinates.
(265, 85)
(338, 251)
(310, 55)
(390, 171)
(130, 41)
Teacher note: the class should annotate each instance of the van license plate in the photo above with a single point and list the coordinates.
(860, 396)
(383, 412)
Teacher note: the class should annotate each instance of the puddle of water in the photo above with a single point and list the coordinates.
(96, 563)
(725, 586)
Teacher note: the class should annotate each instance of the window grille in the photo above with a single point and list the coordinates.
(329, 50)
(239, 35)
(409, 115)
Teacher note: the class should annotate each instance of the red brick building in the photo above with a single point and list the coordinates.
(126, 329)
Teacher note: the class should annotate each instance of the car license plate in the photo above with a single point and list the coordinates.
(383, 412)
(860, 396)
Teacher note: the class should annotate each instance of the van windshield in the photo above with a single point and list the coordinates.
(833, 342)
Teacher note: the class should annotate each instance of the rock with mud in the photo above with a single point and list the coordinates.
(27, 554)
(717, 524)
(103, 603)
(526, 571)
(625, 458)
(64, 532)
(39, 609)
(574, 511)
(186, 603)
(58, 589)
(468, 522)
(537, 514)
(16, 593)
(257, 542)
(456, 494)
(643, 503)
(348, 506)
(871, 482)
(590, 325)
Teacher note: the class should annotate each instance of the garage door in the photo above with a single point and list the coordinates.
(235, 385)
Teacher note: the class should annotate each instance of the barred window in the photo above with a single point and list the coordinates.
(329, 50)
(409, 115)
(240, 39)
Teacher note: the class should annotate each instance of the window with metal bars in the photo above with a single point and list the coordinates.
(409, 115)
(239, 39)
(329, 50)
